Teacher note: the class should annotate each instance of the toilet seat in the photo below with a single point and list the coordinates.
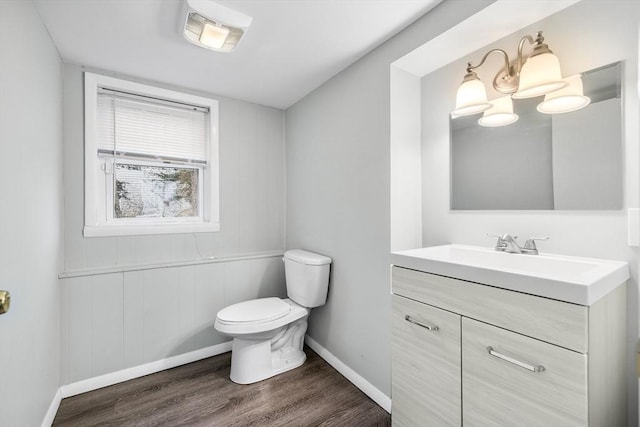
(254, 311)
(258, 315)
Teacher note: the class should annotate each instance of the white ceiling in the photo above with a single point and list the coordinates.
(291, 48)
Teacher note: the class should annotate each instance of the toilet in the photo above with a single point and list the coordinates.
(268, 333)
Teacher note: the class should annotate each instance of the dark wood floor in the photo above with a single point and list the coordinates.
(201, 394)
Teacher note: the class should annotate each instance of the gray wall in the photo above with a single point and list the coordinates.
(251, 188)
(115, 320)
(338, 195)
(610, 30)
(31, 214)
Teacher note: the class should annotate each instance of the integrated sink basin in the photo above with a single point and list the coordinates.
(572, 279)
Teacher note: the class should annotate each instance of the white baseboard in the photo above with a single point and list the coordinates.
(367, 388)
(142, 370)
(53, 409)
(128, 374)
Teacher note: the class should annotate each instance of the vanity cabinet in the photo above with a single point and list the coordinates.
(471, 354)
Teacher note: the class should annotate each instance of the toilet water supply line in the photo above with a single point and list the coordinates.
(201, 257)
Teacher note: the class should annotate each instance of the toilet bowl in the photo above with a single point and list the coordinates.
(268, 336)
(268, 333)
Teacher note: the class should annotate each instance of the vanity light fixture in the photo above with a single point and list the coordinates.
(570, 98)
(527, 76)
(213, 26)
(500, 114)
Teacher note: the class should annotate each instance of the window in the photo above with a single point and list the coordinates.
(150, 160)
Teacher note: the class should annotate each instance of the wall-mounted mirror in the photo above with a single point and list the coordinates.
(563, 161)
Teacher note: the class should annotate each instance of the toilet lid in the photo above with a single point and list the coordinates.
(256, 310)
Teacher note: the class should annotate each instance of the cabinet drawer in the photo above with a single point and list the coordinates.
(557, 322)
(426, 374)
(497, 391)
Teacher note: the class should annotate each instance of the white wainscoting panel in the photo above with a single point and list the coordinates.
(133, 319)
(106, 323)
(79, 357)
(121, 320)
(208, 299)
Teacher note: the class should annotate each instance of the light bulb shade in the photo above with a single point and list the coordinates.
(213, 36)
(539, 75)
(500, 114)
(471, 98)
(569, 98)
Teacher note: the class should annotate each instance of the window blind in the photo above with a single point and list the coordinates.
(137, 126)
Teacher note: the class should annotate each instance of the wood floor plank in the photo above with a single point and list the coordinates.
(201, 394)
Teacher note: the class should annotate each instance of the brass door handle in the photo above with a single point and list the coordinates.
(5, 301)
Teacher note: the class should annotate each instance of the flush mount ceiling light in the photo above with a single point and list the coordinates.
(213, 26)
(526, 77)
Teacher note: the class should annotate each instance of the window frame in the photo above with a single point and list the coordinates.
(96, 222)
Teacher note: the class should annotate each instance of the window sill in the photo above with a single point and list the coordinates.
(145, 230)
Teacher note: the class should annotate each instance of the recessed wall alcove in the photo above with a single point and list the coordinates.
(493, 23)
(582, 34)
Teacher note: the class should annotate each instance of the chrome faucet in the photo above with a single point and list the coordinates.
(508, 243)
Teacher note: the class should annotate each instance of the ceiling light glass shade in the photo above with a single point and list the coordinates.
(213, 26)
(471, 97)
(501, 114)
(539, 75)
(569, 98)
(214, 36)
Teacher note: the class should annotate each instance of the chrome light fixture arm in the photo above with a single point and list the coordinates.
(539, 47)
(507, 79)
(531, 41)
(471, 67)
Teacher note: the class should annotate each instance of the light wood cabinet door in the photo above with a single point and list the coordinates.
(525, 382)
(426, 383)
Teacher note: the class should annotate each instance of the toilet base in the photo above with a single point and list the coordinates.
(257, 360)
(287, 359)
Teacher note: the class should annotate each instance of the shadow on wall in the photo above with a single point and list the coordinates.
(322, 315)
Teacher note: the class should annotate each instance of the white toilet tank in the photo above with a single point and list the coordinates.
(307, 276)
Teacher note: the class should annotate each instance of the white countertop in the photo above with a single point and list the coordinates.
(576, 280)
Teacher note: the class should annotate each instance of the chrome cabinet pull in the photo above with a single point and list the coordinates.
(532, 368)
(423, 325)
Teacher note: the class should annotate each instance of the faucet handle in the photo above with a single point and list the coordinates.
(501, 244)
(531, 243)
